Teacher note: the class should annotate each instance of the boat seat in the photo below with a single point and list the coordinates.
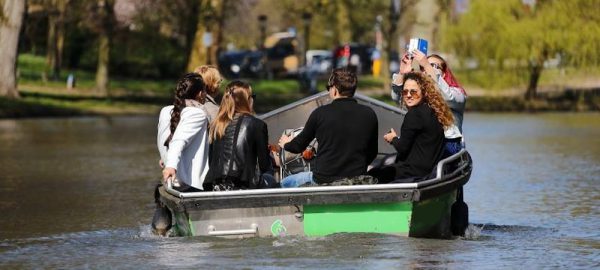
(348, 181)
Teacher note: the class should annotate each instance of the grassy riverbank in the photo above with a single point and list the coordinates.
(41, 96)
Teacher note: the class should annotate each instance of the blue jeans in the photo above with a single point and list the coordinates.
(296, 180)
(451, 148)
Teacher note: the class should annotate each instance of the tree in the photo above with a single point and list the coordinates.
(56, 35)
(11, 19)
(395, 12)
(211, 16)
(106, 23)
(511, 34)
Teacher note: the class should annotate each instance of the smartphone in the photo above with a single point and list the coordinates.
(417, 44)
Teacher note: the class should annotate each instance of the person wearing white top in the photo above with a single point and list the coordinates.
(182, 138)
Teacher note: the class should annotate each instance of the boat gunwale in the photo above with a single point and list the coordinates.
(440, 177)
(275, 200)
(318, 96)
(380, 193)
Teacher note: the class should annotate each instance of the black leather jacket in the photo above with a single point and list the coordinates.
(234, 156)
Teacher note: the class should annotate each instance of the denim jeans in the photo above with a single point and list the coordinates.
(451, 148)
(296, 180)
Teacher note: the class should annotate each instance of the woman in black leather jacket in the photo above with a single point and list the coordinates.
(238, 144)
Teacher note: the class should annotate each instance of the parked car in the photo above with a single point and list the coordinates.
(281, 54)
(355, 56)
(319, 60)
(242, 63)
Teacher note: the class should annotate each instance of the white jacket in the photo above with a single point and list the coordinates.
(188, 149)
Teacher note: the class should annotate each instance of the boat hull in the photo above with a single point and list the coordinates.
(414, 209)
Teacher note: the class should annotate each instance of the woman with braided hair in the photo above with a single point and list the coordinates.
(421, 142)
(239, 142)
(183, 135)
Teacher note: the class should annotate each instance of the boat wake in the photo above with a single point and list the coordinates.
(488, 231)
(473, 232)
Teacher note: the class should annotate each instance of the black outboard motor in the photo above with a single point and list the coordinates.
(459, 215)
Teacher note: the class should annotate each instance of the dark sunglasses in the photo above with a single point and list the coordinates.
(253, 96)
(413, 92)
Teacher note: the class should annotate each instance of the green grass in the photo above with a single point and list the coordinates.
(42, 96)
(493, 81)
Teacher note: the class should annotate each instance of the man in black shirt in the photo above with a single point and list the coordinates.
(345, 130)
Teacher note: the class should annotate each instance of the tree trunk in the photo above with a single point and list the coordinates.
(103, 61)
(387, 51)
(342, 34)
(104, 38)
(221, 6)
(11, 19)
(535, 71)
(51, 42)
(56, 37)
(191, 27)
(199, 52)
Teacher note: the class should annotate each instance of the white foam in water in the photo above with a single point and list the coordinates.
(147, 232)
(473, 232)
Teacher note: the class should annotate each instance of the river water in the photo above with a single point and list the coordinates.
(77, 193)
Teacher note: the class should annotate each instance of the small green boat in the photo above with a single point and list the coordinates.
(422, 209)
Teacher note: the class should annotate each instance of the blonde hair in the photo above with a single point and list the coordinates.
(235, 100)
(432, 97)
(212, 78)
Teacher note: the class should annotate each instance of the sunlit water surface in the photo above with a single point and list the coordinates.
(77, 193)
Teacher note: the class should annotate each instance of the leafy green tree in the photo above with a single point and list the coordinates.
(511, 34)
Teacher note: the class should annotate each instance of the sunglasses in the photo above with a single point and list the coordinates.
(434, 65)
(328, 87)
(253, 96)
(413, 92)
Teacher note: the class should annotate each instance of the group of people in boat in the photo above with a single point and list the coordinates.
(205, 146)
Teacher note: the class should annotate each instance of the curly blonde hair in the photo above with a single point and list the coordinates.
(432, 97)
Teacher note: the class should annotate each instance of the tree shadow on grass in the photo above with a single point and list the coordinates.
(152, 100)
(20, 108)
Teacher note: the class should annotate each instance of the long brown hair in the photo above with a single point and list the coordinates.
(236, 99)
(432, 97)
(188, 87)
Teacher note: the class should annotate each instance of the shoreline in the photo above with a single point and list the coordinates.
(39, 105)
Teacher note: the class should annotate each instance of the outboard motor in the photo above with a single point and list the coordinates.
(161, 221)
(459, 215)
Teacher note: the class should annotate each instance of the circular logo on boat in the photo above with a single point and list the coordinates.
(277, 228)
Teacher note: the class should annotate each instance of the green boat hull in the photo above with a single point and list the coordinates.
(427, 218)
(421, 209)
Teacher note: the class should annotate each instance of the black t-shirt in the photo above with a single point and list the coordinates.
(347, 135)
